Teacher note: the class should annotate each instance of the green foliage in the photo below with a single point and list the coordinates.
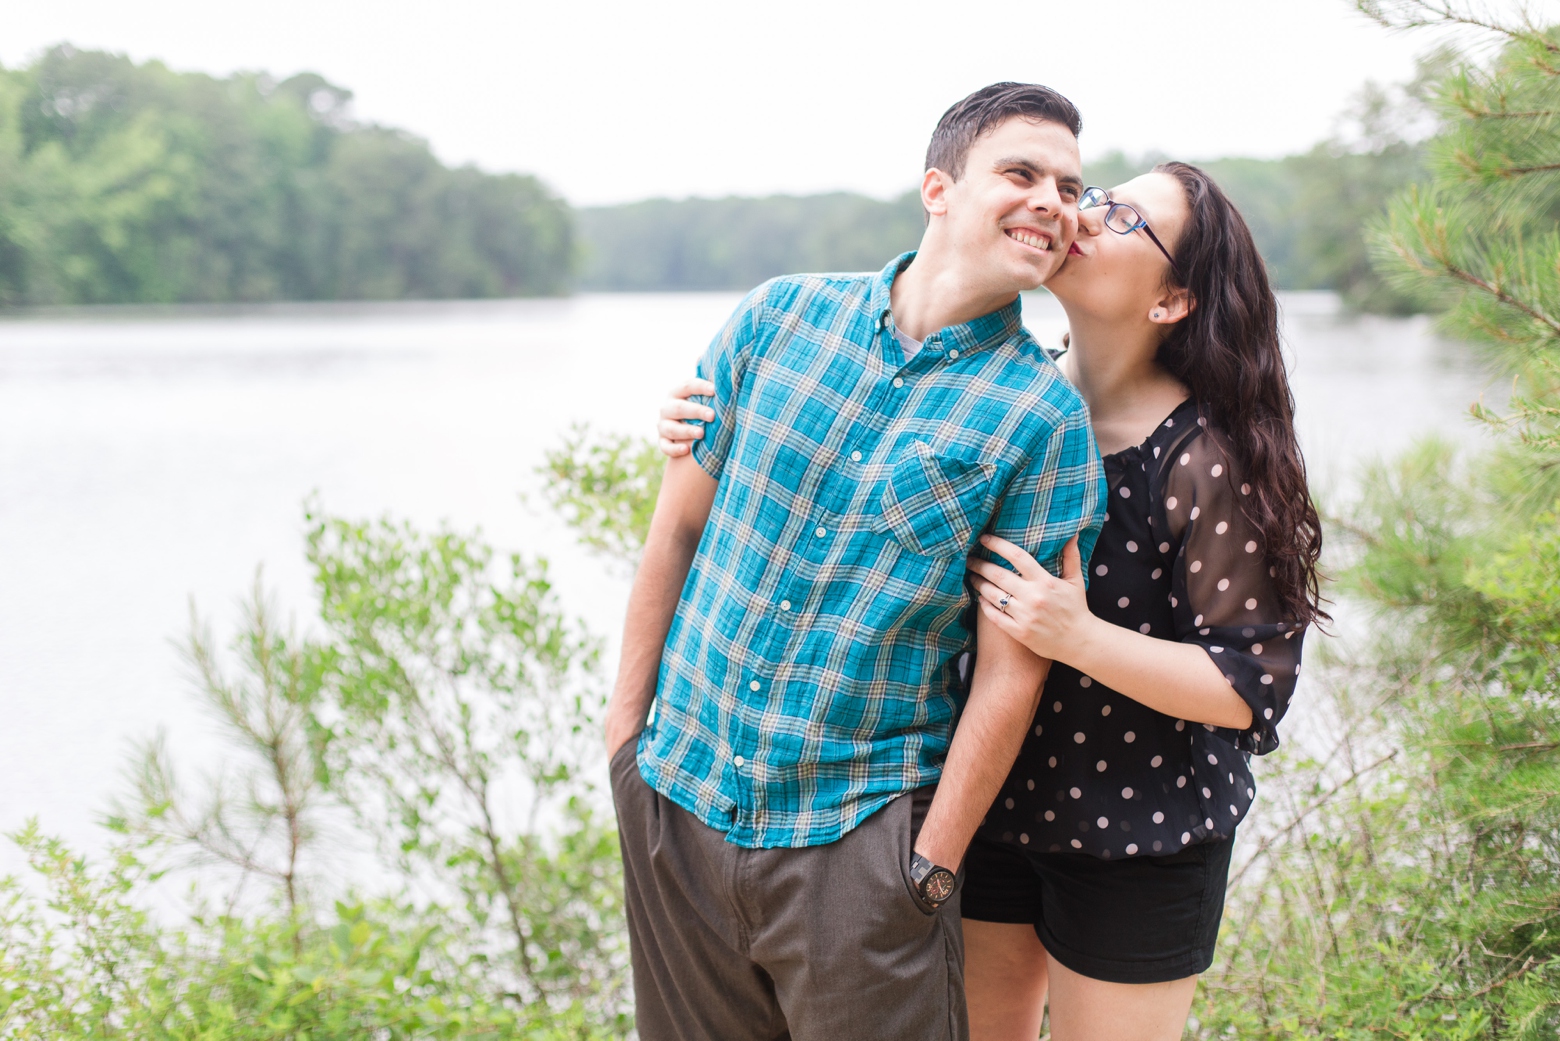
(604, 488)
(736, 243)
(131, 183)
(1338, 193)
(84, 961)
(1417, 526)
(1483, 240)
(263, 827)
(456, 719)
(1306, 213)
(1519, 583)
(445, 706)
(1415, 890)
(1420, 895)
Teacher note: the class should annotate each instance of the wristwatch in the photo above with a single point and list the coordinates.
(933, 883)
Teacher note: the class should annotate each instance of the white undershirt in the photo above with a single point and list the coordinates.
(909, 346)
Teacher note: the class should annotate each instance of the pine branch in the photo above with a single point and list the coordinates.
(1527, 965)
(1489, 113)
(1401, 15)
(1440, 254)
(1494, 290)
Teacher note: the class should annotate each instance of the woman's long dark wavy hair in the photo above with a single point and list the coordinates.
(1227, 352)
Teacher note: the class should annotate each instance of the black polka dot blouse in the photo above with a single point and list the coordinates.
(1102, 774)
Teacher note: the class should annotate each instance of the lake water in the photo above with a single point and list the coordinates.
(149, 458)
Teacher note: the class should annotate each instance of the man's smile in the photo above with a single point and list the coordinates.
(1039, 241)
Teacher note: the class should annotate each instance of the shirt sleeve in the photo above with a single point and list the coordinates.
(1061, 493)
(724, 363)
(1222, 591)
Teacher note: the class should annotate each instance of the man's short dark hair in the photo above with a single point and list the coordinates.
(983, 110)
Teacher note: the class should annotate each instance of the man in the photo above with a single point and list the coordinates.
(801, 604)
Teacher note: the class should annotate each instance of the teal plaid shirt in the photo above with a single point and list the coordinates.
(809, 675)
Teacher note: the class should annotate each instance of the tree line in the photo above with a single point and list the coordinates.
(1307, 212)
(127, 183)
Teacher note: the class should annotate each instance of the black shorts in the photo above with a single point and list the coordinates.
(1136, 920)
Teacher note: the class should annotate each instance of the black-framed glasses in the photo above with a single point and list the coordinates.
(1120, 218)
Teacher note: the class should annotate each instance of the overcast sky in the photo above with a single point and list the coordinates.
(613, 100)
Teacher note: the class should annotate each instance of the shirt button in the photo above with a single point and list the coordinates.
(821, 532)
(953, 353)
(785, 605)
(754, 685)
(898, 382)
(855, 457)
(738, 761)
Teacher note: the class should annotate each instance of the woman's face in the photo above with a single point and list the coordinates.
(1111, 277)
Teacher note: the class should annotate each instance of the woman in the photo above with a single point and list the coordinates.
(1096, 884)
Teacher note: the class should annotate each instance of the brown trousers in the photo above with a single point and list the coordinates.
(821, 943)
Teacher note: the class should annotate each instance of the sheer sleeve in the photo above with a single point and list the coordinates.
(1222, 591)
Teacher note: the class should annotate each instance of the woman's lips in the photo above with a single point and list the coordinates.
(1073, 250)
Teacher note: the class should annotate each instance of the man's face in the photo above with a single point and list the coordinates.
(1013, 215)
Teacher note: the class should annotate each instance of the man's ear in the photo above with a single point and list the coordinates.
(934, 192)
(1172, 306)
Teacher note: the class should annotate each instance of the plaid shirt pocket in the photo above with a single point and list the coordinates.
(933, 505)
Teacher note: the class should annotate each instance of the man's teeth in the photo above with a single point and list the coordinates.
(1033, 241)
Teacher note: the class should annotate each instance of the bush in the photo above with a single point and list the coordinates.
(1414, 891)
(446, 706)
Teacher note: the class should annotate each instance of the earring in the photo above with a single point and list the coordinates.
(1154, 315)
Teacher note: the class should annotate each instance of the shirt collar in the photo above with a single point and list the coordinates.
(986, 331)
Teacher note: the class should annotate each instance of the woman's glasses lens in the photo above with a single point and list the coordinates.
(1092, 197)
(1122, 218)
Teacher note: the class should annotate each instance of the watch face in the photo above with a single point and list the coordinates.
(938, 886)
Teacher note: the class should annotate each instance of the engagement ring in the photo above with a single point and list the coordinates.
(1002, 604)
